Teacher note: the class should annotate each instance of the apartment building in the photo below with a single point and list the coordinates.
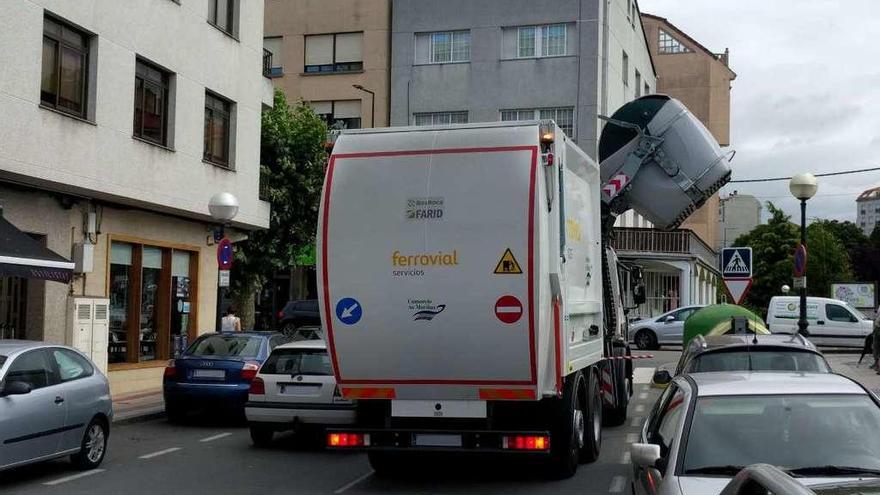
(122, 120)
(738, 214)
(868, 210)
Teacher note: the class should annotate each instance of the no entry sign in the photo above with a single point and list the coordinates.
(508, 309)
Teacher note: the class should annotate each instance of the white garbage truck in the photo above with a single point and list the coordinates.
(470, 297)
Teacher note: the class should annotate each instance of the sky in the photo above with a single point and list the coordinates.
(807, 93)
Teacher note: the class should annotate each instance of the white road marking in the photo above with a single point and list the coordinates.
(646, 387)
(643, 395)
(617, 484)
(73, 477)
(354, 482)
(643, 375)
(161, 452)
(215, 437)
(632, 438)
(625, 458)
(636, 422)
(640, 408)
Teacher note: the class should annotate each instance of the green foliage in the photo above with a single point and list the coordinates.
(875, 237)
(848, 233)
(773, 246)
(292, 172)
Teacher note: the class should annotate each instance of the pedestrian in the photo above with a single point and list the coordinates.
(875, 345)
(230, 322)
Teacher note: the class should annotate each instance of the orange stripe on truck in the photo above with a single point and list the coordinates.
(368, 393)
(506, 394)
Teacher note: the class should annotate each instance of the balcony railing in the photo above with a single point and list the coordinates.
(267, 63)
(680, 241)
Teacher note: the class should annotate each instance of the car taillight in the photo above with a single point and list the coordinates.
(526, 442)
(249, 371)
(280, 314)
(257, 387)
(348, 439)
(170, 369)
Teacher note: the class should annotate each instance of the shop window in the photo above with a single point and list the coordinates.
(120, 275)
(151, 272)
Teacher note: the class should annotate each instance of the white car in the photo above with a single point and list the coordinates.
(295, 390)
(831, 322)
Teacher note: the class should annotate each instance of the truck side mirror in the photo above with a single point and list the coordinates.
(639, 296)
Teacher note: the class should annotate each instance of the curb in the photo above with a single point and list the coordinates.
(139, 416)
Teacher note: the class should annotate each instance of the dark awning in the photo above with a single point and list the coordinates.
(23, 256)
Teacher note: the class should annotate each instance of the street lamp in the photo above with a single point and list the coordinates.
(223, 207)
(372, 103)
(803, 187)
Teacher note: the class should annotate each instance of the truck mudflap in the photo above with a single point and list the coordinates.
(427, 440)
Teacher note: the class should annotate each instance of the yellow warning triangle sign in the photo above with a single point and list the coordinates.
(507, 264)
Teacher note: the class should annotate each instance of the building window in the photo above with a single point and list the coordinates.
(625, 70)
(647, 89)
(218, 120)
(443, 47)
(340, 114)
(221, 14)
(541, 41)
(65, 68)
(668, 44)
(564, 116)
(638, 84)
(328, 53)
(151, 103)
(441, 118)
(272, 66)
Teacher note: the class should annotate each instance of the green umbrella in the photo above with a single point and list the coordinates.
(715, 320)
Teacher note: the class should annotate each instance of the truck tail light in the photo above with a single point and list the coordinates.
(249, 370)
(348, 439)
(170, 369)
(258, 387)
(526, 442)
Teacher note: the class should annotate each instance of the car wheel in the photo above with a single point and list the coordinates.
(646, 340)
(94, 445)
(261, 436)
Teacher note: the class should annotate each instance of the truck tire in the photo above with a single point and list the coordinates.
(573, 437)
(593, 420)
(616, 416)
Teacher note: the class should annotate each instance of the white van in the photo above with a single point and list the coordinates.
(832, 322)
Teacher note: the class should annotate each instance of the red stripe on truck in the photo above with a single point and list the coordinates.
(368, 393)
(325, 272)
(506, 394)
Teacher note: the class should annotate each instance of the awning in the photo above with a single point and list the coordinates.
(23, 256)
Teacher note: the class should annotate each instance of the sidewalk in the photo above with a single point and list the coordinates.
(847, 364)
(141, 406)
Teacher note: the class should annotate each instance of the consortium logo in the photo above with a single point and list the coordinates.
(425, 309)
(412, 265)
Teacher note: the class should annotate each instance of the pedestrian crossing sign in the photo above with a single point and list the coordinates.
(736, 262)
(507, 265)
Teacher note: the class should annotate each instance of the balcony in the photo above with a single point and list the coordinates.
(674, 242)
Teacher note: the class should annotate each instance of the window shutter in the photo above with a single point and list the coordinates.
(347, 109)
(319, 50)
(321, 107)
(274, 46)
(349, 47)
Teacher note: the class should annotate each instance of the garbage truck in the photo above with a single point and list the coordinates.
(470, 297)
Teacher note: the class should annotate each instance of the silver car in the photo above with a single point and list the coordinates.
(667, 328)
(706, 427)
(53, 403)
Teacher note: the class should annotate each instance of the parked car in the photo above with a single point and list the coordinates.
(764, 478)
(54, 402)
(706, 427)
(216, 371)
(668, 328)
(747, 352)
(296, 390)
(832, 322)
(309, 332)
(298, 313)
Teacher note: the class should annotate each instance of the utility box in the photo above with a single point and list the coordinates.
(88, 328)
(84, 257)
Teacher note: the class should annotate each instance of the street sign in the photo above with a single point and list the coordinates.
(224, 278)
(224, 254)
(349, 311)
(799, 282)
(508, 309)
(736, 262)
(737, 288)
(800, 261)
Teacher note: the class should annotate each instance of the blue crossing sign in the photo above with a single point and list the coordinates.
(349, 311)
(736, 262)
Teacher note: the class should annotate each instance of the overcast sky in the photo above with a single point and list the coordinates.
(807, 93)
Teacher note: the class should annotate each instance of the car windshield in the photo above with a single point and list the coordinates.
(816, 434)
(226, 346)
(856, 312)
(759, 360)
(297, 362)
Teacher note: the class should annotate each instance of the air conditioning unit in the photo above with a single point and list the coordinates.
(89, 327)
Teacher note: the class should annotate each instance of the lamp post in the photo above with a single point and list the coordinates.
(223, 208)
(803, 187)
(372, 103)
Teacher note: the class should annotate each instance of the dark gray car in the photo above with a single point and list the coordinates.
(54, 402)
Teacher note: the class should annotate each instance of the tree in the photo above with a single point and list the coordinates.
(773, 246)
(293, 157)
(848, 233)
(875, 237)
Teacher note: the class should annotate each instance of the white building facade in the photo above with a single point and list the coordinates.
(738, 214)
(121, 120)
(868, 210)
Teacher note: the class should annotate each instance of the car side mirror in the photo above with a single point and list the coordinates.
(639, 294)
(662, 377)
(16, 388)
(645, 455)
(669, 319)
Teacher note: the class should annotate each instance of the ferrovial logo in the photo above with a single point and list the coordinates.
(412, 265)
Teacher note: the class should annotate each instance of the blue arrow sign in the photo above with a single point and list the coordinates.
(736, 262)
(349, 311)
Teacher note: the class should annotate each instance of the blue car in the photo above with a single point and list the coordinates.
(215, 372)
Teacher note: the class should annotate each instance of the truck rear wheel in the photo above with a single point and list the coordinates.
(576, 437)
(593, 420)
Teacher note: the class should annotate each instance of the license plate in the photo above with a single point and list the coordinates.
(428, 440)
(215, 374)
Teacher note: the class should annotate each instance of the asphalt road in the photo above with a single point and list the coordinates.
(208, 456)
